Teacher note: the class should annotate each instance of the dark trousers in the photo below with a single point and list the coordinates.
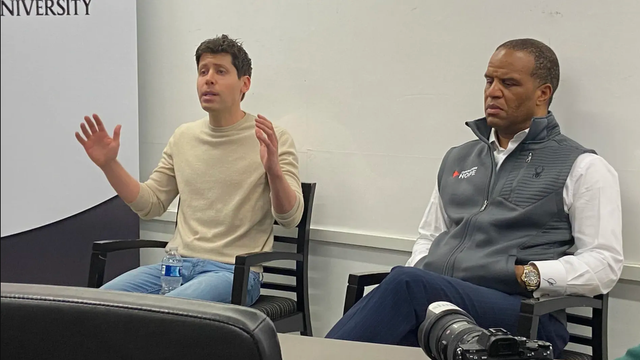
(393, 311)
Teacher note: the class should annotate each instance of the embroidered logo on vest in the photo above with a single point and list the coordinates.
(465, 174)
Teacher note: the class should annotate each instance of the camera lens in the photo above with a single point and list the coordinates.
(450, 332)
(445, 328)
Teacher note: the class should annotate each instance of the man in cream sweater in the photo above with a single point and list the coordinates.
(235, 173)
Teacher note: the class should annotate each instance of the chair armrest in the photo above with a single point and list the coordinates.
(545, 305)
(356, 284)
(257, 258)
(532, 309)
(242, 269)
(367, 278)
(100, 250)
(107, 246)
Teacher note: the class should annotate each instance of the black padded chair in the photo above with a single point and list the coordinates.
(287, 314)
(56, 322)
(530, 312)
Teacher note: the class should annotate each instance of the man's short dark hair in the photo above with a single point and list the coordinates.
(546, 69)
(225, 45)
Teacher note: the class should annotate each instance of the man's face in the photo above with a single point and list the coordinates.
(510, 93)
(219, 88)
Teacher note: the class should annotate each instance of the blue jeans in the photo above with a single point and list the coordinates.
(392, 312)
(201, 279)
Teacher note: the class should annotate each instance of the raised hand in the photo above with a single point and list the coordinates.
(266, 135)
(101, 148)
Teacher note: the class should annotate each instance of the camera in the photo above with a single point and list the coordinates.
(449, 333)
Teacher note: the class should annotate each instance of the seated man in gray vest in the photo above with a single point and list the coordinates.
(506, 209)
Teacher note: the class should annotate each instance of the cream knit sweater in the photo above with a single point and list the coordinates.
(225, 202)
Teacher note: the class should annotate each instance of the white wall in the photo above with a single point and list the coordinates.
(374, 92)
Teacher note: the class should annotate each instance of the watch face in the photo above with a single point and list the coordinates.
(531, 278)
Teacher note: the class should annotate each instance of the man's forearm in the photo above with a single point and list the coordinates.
(122, 182)
(283, 197)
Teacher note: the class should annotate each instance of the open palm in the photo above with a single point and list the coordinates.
(101, 148)
(266, 135)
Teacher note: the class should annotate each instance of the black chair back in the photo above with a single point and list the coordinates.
(597, 322)
(56, 322)
(301, 270)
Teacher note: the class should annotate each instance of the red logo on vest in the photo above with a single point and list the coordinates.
(465, 174)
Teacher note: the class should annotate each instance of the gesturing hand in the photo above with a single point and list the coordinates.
(101, 148)
(266, 135)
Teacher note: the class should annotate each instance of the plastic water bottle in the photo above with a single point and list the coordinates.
(171, 276)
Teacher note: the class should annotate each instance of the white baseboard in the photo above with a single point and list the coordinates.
(630, 271)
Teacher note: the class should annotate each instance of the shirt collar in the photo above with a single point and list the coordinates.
(517, 139)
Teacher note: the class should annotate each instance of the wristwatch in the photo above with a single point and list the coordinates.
(531, 278)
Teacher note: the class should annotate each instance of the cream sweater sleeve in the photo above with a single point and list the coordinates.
(157, 193)
(289, 164)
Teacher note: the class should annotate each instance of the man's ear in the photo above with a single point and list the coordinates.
(544, 93)
(246, 85)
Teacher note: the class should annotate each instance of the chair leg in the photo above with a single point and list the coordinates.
(527, 322)
(306, 322)
(599, 331)
(531, 330)
(302, 297)
(96, 269)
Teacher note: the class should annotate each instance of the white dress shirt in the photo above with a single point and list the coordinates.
(592, 200)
